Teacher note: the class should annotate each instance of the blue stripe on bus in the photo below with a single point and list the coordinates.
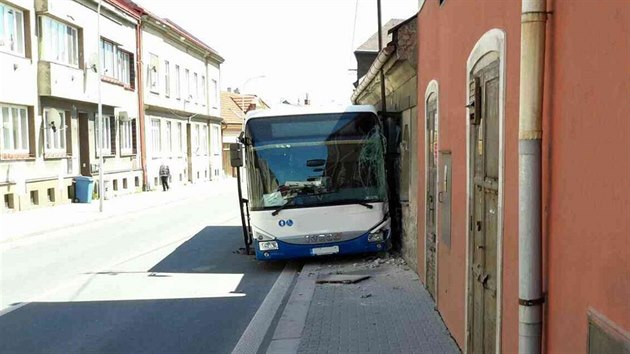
(290, 250)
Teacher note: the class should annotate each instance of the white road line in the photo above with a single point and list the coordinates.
(254, 334)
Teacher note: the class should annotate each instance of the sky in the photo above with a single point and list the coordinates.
(299, 46)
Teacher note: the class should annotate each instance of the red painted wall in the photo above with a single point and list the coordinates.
(586, 160)
(588, 128)
(447, 35)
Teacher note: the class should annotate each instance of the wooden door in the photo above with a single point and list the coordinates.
(431, 199)
(484, 162)
(84, 144)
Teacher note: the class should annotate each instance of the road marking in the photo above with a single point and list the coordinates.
(254, 334)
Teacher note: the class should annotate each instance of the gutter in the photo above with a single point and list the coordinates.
(380, 61)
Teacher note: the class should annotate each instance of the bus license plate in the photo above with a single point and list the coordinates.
(324, 250)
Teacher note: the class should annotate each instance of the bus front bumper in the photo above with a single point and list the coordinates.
(291, 251)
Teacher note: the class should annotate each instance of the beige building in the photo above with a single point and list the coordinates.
(181, 103)
(48, 113)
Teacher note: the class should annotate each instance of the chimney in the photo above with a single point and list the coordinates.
(306, 100)
(229, 89)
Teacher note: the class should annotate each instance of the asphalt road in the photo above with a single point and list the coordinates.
(165, 280)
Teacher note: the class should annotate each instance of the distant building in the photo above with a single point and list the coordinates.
(366, 53)
(234, 106)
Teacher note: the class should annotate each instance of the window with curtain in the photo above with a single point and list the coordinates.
(11, 30)
(15, 129)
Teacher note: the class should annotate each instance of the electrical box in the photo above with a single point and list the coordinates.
(236, 155)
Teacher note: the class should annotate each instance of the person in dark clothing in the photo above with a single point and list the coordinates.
(165, 173)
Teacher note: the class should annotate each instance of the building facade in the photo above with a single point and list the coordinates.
(181, 104)
(473, 88)
(49, 114)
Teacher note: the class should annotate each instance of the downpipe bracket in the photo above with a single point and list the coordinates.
(532, 302)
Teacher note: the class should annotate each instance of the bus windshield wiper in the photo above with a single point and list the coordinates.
(351, 201)
(279, 209)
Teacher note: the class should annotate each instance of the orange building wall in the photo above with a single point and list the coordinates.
(586, 160)
(447, 35)
(587, 116)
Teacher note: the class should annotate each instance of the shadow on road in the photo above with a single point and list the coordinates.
(174, 325)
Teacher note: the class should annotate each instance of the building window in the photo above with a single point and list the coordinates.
(15, 129)
(55, 135)
(204, 97)
(196, 87)
(187, 85)
(178, 138)
(178, 83)
(156, 133)
(60, 42)
(216, 140)
(169, 137)
(204, 140)
(117, 63)
(154, 73)
(196, 136)
(126, 138)
(214, 94)
(11, 30)
(106, 126)
(167, 79)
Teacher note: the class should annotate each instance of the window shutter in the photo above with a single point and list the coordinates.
(112, 130)
(132, 71)
(134, 144)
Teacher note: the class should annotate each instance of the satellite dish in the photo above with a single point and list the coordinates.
(93, 62)
(123, 116)
(53, 120)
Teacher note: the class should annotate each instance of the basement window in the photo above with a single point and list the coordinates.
(51, 195)
(125, 183)
(71, 192)
(35, 197)
(9, 201)
(115, 184)
(137, 181)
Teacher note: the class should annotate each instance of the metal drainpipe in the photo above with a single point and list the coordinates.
(531, 297)
(140, 88)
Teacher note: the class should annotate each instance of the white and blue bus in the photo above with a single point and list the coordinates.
(316, 182)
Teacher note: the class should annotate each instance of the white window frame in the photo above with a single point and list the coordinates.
(55, 44)
(55, 141)
(178, 134)
(196, 87)
(187, 85)
(9, 31)
(124, 66)
(126, 138)
(156, 136)
(204, 96)
(169, 136)
(178, 83)
(214, 94)
(216, 140)
(106, 149)
(154, 73)
(9, 131)
(167, 78)
(204, 140)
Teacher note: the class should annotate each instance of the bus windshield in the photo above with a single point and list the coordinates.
(315, 160)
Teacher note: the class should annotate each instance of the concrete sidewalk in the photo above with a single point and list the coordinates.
(390, 312)
(14, 226)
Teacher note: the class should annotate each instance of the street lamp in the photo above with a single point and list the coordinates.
(243, 93)
(100, 140)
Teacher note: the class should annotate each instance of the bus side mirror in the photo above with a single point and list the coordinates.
(236, 155)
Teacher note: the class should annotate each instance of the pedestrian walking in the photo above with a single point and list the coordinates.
(165, 174)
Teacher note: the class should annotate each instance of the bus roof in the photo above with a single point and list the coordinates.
(292, 110)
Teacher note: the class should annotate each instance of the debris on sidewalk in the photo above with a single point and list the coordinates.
(342, 278)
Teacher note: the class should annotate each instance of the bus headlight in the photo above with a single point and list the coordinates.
(268, 245)
(377, 236)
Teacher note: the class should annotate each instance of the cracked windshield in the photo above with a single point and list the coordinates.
(314, 176)
(316, 160)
